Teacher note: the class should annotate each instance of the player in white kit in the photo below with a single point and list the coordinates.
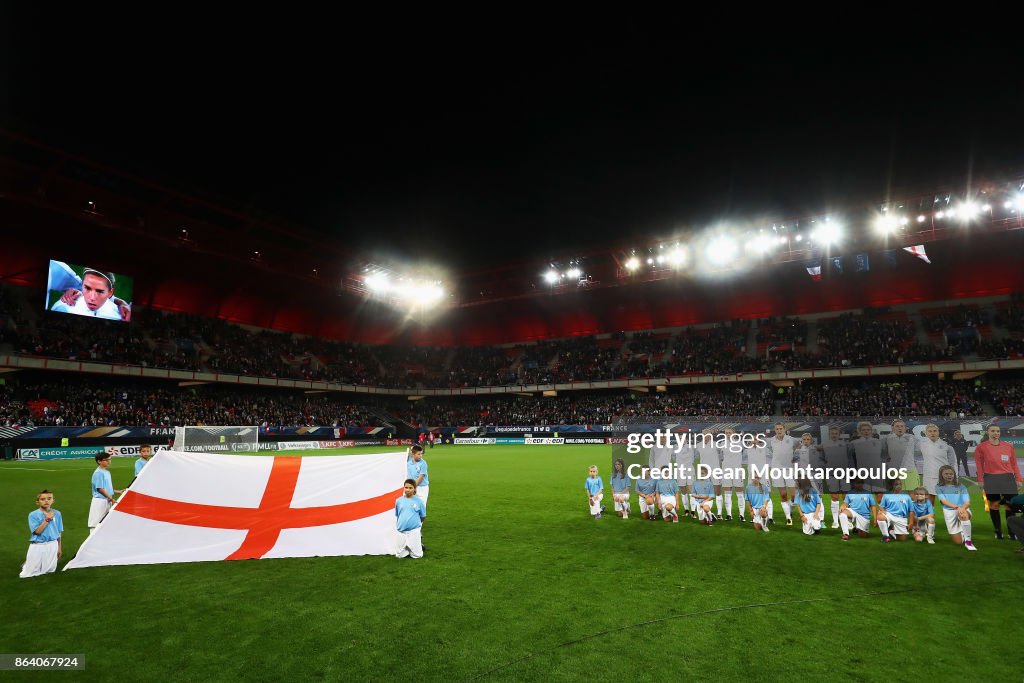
(783, 448)
(733, 479)
(710, 455)
(758, 458)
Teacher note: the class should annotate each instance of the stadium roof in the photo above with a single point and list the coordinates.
(528, 142)
(485, 161)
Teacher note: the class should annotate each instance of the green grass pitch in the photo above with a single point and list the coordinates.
(520, 583)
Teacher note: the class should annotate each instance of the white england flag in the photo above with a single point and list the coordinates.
(204, 507)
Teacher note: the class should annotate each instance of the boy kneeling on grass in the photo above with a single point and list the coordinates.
(857, 510)
(808, 506)
(646, 494)
(759, 500)
(704, 492)
(922, 516)
(894, 513)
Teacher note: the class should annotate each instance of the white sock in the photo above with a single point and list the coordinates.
(718, 505)
(771, 509)
(883, 526)
(786, 510)
(844, 524)
(931, 530)
(742, 498)
(693, 504)
(966, 529)
(684, 500)
(728, 503)
(835, 511)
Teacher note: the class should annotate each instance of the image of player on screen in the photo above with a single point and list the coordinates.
(91, 294)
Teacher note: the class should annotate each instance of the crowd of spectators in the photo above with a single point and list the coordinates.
(1008, 398)
(92, 401)
(1012, 316)
(713, 351)
(83, 401)
(188, 342)
(782, 330)
(825, 399)
(954, 318)
(858, 340)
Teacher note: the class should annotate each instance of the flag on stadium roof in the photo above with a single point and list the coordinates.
(814, 271)
(863, 262)
(202, 507)
(919, 252)
(837, 264)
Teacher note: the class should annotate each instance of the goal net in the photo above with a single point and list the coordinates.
(216, 439)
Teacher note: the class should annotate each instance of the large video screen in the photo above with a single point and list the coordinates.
(83, 290)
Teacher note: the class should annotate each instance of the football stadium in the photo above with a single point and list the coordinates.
(534, 368)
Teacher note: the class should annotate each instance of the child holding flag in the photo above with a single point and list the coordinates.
(410, 511)
(103, 491)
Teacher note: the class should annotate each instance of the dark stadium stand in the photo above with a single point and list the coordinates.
(178, 341)
(39, 399)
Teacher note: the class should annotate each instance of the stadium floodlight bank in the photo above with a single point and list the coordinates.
(216, 439)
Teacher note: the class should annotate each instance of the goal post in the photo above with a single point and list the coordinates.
(216, 439)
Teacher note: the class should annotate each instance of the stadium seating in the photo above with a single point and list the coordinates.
(179, 341)
(79, 400)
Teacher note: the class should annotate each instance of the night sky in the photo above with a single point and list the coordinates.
(431, 138)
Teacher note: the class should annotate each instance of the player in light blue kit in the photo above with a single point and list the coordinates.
(922, 516)
(667, 489)
(416, 469)
(410, 511)
(44, 545)
(646, 494)
(956, 506)
(809, 507)
(145, 453)
(894, 513)
(103, 491)
(595, 492)
(857, 510)
(704, 492)
(759, 499)
(620, 488)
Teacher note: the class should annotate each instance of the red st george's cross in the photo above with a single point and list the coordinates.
(264, 523)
